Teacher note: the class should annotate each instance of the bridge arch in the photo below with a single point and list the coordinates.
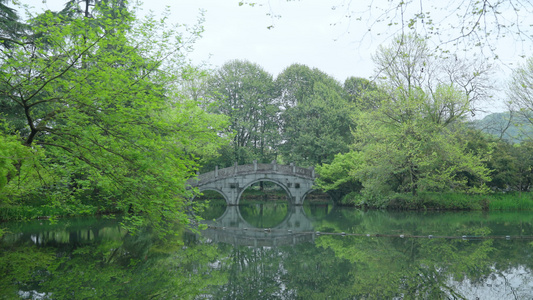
(232, 217)
(306, 194)
(214, 189)
(277, 182)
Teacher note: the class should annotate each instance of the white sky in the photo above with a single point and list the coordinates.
(304, 34)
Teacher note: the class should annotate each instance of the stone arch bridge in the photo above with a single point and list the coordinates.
(231, 182)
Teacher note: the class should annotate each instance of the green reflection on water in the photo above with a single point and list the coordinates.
(215, 202)
(318, 205)
(264, 205)
(94, 258)
(264, 215)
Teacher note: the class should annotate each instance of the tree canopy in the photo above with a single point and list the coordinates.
(92, 99)
(410, 138)
(245, 93)
(316, 121)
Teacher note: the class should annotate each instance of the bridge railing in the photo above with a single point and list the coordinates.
(251, 169)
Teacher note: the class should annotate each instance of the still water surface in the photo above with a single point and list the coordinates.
(275, 251)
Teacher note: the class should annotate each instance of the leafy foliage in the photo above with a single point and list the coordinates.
(520, 94)
(98, 102)
(316, 117)
(245, 93)
(409, 138)
(339, 175)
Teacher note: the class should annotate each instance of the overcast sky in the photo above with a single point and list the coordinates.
(311, 32)
(304, 34)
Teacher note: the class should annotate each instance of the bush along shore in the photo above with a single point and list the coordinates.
(442, 201)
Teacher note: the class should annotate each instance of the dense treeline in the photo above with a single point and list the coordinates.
(382, 143)
(417, 137)
(302, 116)
(100, 112)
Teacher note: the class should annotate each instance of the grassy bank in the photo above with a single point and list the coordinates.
(444, 201)
(511, 201)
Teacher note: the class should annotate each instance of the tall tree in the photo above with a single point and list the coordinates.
(363, 92)
(412, 141)
(11, 27)
(318, 128)
(296, 84)
(316, 120)
(245, 93)
(520, 94)
(97, 103)
(406, 150)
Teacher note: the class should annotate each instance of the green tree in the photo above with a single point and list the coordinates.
(296, 84)
(11, 153)
(363, 92)
(410, 134)
(316, 122)
(408, 152)
(338, 177)
(98, 101)
(11, 28)
(520, 94)
(245, 93)
(411, 142)
(511, 165)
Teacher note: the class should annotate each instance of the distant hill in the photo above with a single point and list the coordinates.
(510, 127)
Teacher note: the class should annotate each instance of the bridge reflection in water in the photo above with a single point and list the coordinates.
(232, 228)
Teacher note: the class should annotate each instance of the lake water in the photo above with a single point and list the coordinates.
(275, 251)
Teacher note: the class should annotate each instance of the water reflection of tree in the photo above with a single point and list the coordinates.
(253, 273)
(264, 215)
(133, 267)
(284, 273)
(344, 267)
(422, 268)
(112, 265)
